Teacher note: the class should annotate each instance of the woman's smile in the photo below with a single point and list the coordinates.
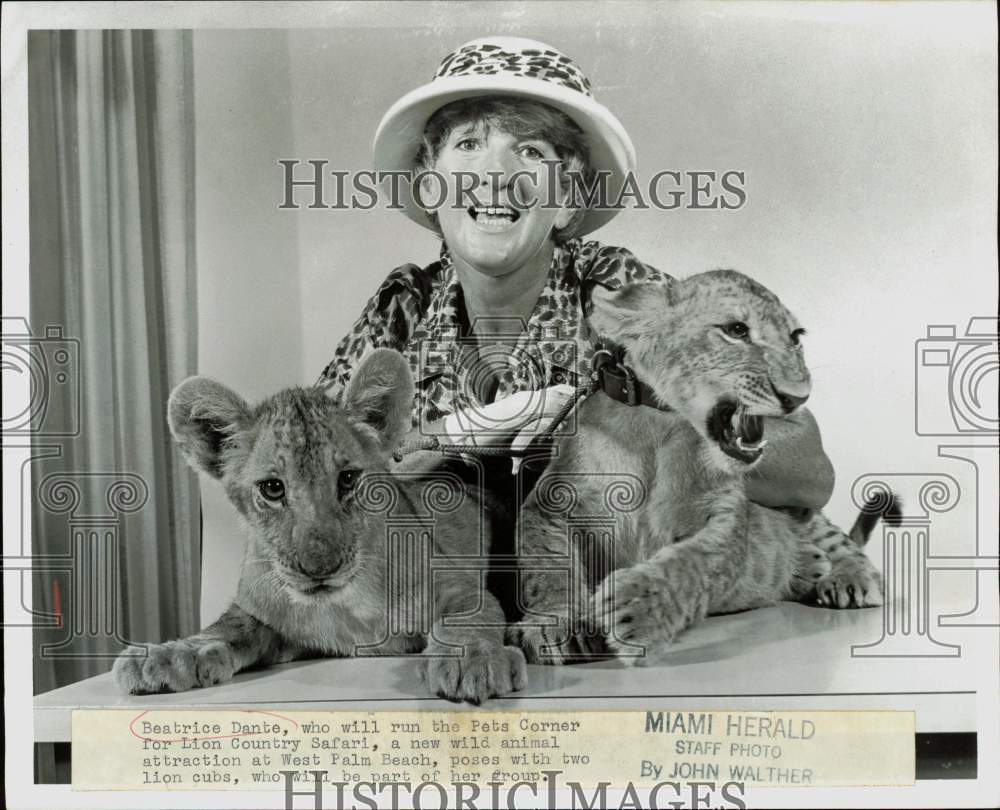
(494, 218)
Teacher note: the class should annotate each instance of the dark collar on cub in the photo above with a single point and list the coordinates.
(738, 434)
(610, 374)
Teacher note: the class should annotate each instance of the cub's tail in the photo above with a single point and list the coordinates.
(889, 509)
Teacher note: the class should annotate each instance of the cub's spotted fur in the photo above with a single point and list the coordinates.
(721, 352)
(309, 478)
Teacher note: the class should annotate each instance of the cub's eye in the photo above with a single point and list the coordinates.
(796, 336)
(736, 330)
(272, 489)
(346, 481)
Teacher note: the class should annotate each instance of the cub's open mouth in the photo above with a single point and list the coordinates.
(739, 434)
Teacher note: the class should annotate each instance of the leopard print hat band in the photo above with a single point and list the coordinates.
(484, 58)
(508, 66)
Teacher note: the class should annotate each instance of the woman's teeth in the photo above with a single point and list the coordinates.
(493, 214)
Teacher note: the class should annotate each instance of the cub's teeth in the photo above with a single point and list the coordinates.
(750, 447)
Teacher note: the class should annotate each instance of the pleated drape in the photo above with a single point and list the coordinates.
(111, 172)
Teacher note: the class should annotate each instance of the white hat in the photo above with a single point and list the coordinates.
(508, 66)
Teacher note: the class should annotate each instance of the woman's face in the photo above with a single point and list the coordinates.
(516, 191)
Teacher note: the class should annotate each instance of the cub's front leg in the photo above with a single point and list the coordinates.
(465, 658)
(234, 642)
(643, 607)
(552, 588)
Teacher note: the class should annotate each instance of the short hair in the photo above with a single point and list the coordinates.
(523, 118)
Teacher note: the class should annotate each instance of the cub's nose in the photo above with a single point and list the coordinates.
(789, 402)
(319, 566)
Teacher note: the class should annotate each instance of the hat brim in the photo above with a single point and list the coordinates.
(400, 133)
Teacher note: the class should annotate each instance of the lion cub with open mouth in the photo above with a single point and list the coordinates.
(310, 480)
(702, 361)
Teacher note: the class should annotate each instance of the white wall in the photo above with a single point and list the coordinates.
(867, 133)
(249, 285)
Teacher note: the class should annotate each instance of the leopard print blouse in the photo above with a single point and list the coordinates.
(419, 312)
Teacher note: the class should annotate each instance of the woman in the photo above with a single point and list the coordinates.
(490, 328)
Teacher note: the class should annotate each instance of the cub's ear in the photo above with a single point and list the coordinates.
(379, 397)
(202, 414)
(629, 312)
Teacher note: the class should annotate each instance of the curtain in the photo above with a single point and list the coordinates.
(115, 514)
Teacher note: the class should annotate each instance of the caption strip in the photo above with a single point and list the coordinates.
(232, 749)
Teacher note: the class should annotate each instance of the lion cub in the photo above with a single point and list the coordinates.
(309, 478)
(718, 352)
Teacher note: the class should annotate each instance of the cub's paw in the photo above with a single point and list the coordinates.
(638, 612)
(811, 565)
(486, 670)
(543, 643)
(853, 582)
(175, 666)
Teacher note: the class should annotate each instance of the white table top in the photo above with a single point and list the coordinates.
(785, 657)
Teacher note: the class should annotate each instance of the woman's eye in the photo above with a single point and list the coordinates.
(346, 481)
(467, 144)
(737, 330)
(532, 152)
(272, 489)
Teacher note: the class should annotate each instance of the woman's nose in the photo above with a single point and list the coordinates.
(496, 169)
